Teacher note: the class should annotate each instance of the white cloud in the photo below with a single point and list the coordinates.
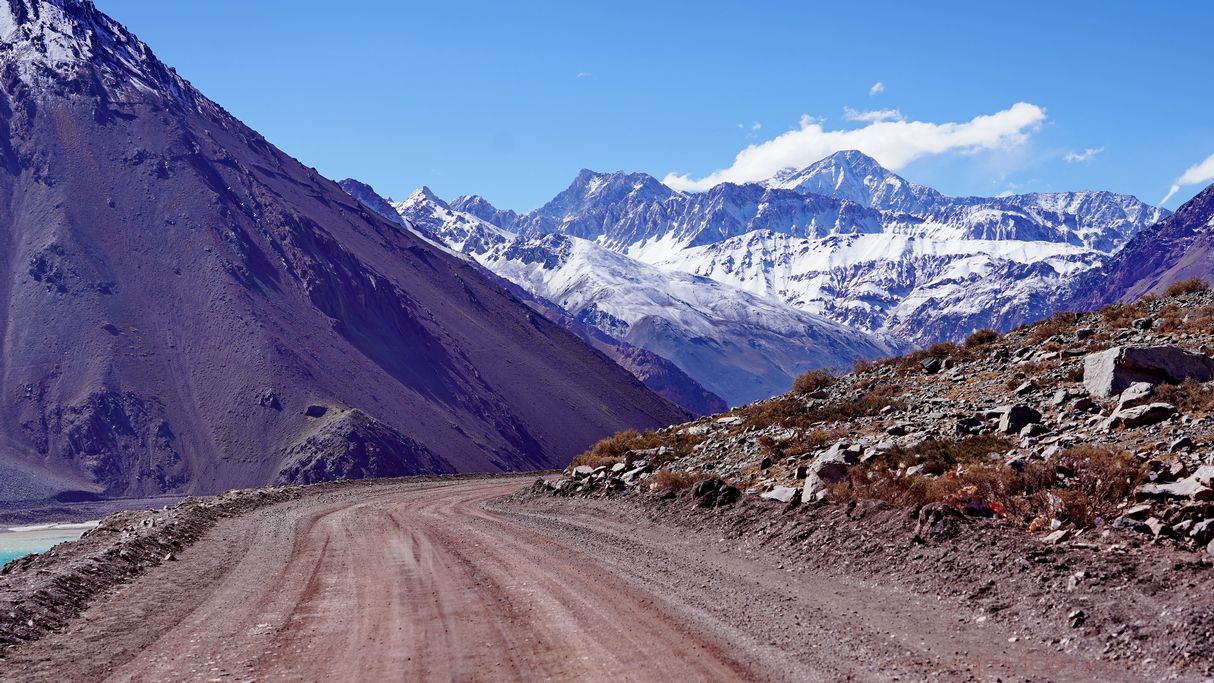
(894, 144)
(756, 127)
(1085, 155)
(584, 74)
(877, 89)
(872, 116)
(1196, 175)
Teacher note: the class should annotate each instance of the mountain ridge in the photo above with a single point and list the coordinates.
(188, 309)
(865, 248)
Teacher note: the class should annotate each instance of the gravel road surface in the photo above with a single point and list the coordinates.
(441, 581)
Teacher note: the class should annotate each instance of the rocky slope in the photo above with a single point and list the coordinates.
(1075, 425)
(1084, 443)
(187, 308)
(1175, 249)
(849, 240)
(738, 345)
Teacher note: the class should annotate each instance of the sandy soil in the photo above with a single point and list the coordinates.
(448, 581)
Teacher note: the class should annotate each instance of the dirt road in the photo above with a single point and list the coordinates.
(437, 581)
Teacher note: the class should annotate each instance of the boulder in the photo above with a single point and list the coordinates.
(782, 494)
(1014, 418)
(1110, 372)
(1196, 487)
(1136, 394)
(583, 471)
(315, 411)
(1141, 416)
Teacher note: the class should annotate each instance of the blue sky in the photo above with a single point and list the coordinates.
(510, 99)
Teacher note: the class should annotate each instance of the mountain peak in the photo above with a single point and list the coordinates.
(424, 194)
(71, 42)
(854, 176)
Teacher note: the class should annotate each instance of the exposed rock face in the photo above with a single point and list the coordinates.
(1110, 372)
(163, 265)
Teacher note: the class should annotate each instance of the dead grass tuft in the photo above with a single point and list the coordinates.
(981, 338)
(1077, 486)
(674, 480)
(1191, 286)
(813, 380)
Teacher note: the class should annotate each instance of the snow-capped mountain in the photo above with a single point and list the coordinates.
(854, 242)
(737, 344)
(462, 234)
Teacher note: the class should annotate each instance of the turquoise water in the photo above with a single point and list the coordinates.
(24, 541)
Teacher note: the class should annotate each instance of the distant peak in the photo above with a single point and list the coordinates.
(858, 160)
(423, 195)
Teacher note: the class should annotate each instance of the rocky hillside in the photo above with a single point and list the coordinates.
(1175, 249)
(1073, 429)
(186, 308)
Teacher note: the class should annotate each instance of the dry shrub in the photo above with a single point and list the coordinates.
(1191, 286)
(1189, 397)
(1078, 485)
(790, 411)
(981, 338)
(1062, 322)
(1119, 316)
(861, 366)
(813, 380)
(613, 449)
(911, 362)
(674, 480)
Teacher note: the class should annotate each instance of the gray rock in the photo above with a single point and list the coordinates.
(1110, 372)
(1014, 418)
(1136, 394)
(1184, 443)
(1196, 486)
(583, 471)
(782, 494)
(1142, 416)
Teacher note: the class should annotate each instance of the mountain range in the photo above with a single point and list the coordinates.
(186, 308)
(745, 286)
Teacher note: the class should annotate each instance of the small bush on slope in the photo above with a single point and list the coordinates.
(1191, 286)
(1076, 486)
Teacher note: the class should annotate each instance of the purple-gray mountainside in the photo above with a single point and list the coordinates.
(657, 373)
(186, 308)
(1177, 248)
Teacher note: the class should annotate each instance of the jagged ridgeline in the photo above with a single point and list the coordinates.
(187, 308)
